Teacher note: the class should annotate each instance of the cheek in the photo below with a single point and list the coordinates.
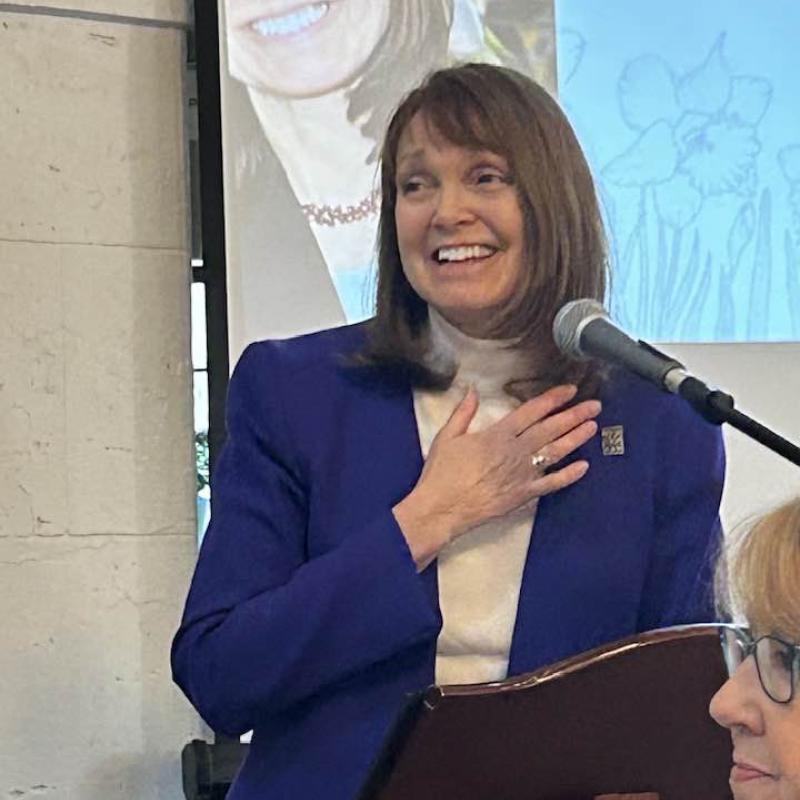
(410, 228)
(789, 763)
(371, 19)
(784, 734)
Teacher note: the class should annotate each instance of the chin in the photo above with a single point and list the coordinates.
(760, 790)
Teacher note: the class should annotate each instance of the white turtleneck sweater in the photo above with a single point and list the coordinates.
(480, 572)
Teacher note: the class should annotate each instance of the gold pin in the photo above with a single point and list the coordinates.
(612, 440)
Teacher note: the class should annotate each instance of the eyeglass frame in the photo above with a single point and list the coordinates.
(749, 645)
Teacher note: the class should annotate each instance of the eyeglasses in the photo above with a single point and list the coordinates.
(777, 661)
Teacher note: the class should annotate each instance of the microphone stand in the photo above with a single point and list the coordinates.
(718, 407)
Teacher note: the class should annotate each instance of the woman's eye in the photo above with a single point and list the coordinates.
(411, 185)
(783, 658)
(488, 177)
(779, 656)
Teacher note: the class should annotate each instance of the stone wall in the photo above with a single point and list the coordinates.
(96, 461)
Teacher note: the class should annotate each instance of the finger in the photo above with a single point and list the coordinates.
(556, 425)
(462, 415)
(560, 479)
(537, 408)
(560, 448)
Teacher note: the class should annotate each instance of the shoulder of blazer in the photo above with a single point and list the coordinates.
(325, 349)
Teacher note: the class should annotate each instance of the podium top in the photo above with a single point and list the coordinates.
(627, 718)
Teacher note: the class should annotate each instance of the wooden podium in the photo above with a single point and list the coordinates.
(629, 718)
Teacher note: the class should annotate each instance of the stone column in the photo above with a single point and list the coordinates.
(96, 460)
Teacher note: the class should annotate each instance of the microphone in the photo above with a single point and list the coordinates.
(583, 330)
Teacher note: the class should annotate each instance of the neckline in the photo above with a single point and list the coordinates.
(488, 364)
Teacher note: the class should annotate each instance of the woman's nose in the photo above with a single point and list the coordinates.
(738, 702)
(453, 206)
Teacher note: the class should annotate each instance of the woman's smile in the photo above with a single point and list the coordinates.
(302, 48)
(292, 22)
(462, 260)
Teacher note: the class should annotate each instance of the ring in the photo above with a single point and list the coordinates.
(539, 459)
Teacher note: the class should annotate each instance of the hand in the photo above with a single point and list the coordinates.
(470, 478)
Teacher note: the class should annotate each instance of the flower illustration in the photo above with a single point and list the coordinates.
(652, 158)
(677, 201)
(695, 136)
(647, 92)
(721, 158)
(707, 88)
(701, 124)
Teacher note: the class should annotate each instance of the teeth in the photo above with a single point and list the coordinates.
(464, 253)
(294, 22)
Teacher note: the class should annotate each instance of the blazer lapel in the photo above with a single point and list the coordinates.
(546, 629)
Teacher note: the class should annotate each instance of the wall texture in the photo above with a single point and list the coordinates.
(96, 467)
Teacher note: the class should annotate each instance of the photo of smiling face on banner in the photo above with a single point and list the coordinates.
(302, 50)
(307, 90)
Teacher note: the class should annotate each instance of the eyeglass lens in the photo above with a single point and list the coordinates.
(774, 661)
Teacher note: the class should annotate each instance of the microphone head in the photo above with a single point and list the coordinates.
(570, 321)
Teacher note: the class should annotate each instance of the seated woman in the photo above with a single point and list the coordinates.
(759, 702)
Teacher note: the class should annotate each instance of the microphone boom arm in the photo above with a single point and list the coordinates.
(718, 407)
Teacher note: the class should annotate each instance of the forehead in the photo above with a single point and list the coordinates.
(422, 136)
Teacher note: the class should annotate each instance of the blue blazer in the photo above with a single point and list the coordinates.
(306, 620)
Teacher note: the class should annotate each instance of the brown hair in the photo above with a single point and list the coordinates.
(480, 106)
(414, 44)
(758, 575)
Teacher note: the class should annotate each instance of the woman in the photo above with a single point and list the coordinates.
(759, 703)
(411, 499)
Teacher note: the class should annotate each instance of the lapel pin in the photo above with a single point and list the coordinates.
(612, 440)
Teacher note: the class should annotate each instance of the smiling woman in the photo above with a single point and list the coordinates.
(410, 499)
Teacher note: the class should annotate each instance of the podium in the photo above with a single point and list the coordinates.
(628, 718)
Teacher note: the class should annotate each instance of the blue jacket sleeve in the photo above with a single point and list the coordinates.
(264, 626)
(678, 586)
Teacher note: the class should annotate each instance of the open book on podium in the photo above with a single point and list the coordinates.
(629, 719)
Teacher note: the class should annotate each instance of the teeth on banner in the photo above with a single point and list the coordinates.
(291, 23)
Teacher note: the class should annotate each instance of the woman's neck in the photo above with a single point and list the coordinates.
(486, 363)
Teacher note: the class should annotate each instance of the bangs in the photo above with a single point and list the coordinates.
(466, 107)
(457, 114)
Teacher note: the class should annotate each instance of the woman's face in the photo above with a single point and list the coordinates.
(299, 48)
(765, 734)
(460, 227)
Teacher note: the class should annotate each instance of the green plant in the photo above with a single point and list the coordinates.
(201, 459)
